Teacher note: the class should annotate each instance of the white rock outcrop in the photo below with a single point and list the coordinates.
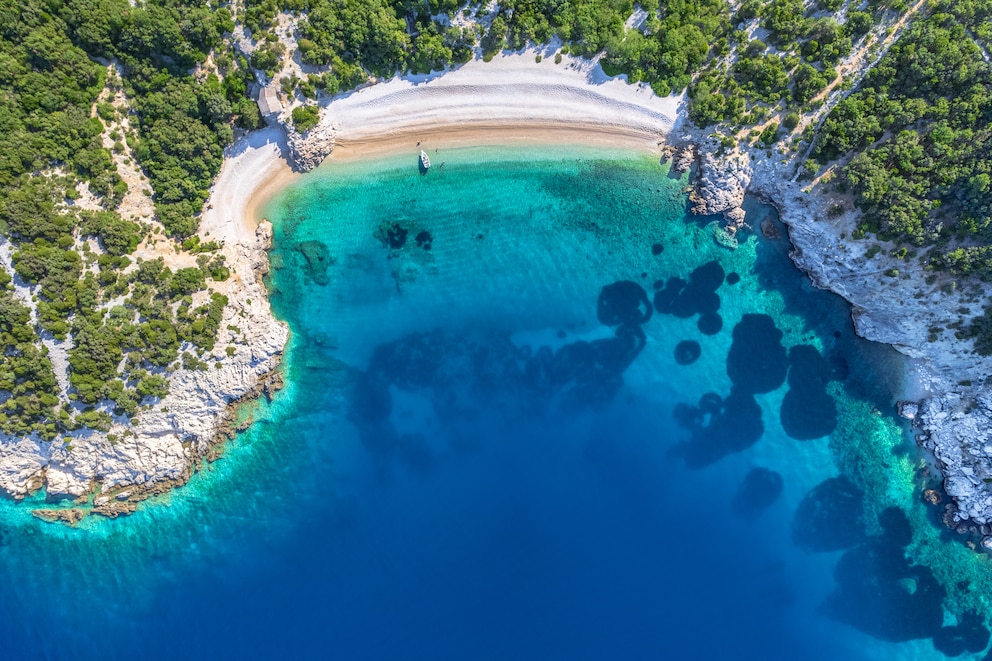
(308, 150)
(894, 301)
(164, 443)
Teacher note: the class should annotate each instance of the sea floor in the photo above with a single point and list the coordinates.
(533, 410)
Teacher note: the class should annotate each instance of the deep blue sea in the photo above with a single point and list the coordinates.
(533, 411)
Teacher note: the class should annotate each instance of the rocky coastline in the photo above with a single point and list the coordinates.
(109, 473)
(893, 302)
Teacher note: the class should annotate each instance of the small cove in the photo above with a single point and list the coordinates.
(430, 485)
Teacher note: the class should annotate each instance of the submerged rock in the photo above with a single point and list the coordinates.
(896, 526)
(757, 361)
(318, 258)
(697, 295)
(969, 636)
(687, 352)
(707, 277)
(424, 240)
(830, 517)
(881, 594)
(808, 410)
(735, 426)
(761, 487)
(623, 302)
(710, 323)
(808, 413)
(467, 375)
(391, 234)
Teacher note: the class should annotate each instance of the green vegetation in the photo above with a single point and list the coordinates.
(305, 118)
(125, 321)
(917, 142)
(912, 142)
(362, 37)
(27, 382)
(670, 48)
(791, 69)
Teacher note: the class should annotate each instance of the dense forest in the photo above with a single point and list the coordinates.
(911, 139)
(915, 139)
(124, 321)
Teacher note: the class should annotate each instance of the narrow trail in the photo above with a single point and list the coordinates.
(855, 63)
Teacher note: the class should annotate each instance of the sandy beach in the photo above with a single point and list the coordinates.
(511, 100)
(254, 168)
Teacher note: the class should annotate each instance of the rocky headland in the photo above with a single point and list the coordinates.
(162, 446)
(893, 300)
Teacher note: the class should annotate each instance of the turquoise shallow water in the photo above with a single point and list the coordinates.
(468, 463)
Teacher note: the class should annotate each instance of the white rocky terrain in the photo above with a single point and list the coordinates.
(892, 302)
(162, 446)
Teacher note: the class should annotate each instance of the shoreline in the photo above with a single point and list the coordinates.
(514, 97)
(255, 169)
(512, 100)
(458, 136)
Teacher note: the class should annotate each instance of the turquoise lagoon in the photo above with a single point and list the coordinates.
(487, 449)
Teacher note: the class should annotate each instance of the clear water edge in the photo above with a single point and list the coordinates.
(256, 496)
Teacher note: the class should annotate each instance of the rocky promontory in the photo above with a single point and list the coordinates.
(162, 445)
(309, 149)
(894, 301)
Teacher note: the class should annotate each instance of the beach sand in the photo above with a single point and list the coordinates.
(511, 100)
(255, 167)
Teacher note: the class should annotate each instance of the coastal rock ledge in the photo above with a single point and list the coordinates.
(162, 446)
(308, 150)
(891, 304)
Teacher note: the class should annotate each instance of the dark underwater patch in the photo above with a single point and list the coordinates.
(880, 593)
(391, 234)
(733, 426)
(687, 352)
(968, 636)
(623, 302)
(471, 374)
(710, 323)
(808, 410)
(756, 362)
(896, 526)
(697, 295)
(808, 413)
(830, 517)
(759, 489)
(707, 277)
(424, 240)
(807, 366)
(317, 258)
